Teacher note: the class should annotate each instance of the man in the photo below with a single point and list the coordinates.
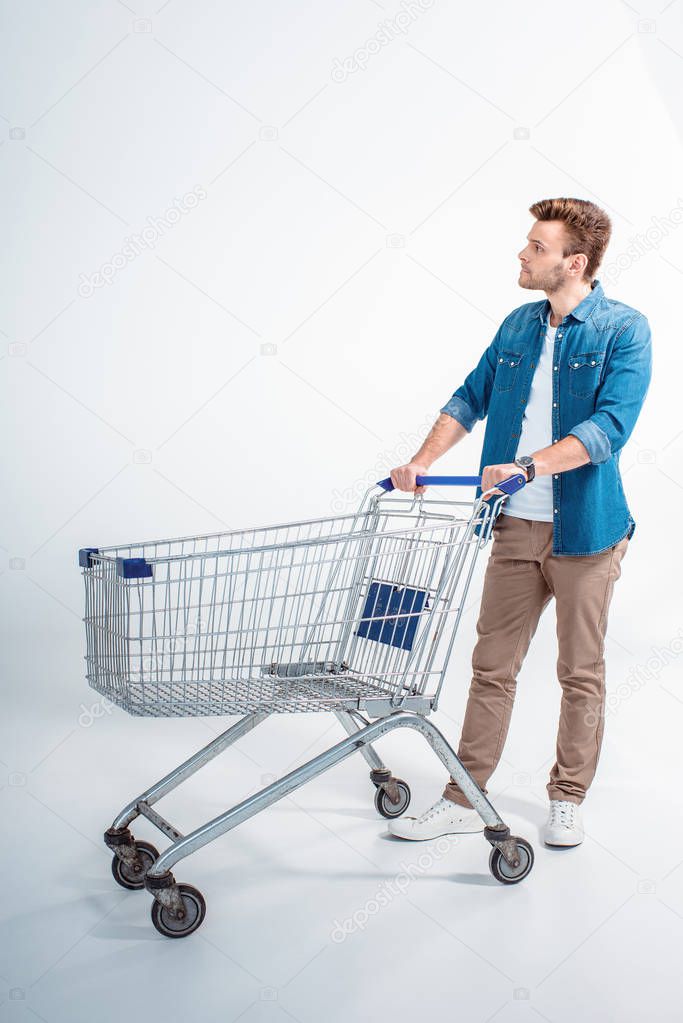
(562, 384)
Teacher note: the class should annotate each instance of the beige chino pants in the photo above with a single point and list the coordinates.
(522, 575)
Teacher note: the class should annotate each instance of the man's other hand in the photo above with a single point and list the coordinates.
(403, 478)
(493, 474)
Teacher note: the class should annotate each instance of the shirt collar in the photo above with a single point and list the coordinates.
(583, 310)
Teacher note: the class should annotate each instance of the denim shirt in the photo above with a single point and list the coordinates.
(602, 365)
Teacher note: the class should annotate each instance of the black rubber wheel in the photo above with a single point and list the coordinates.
(386, 808)
(179, 927)
(501, 869)
(126, 875)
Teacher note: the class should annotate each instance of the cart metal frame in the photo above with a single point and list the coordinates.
(413, 693)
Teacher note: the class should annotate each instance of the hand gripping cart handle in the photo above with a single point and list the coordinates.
(353, 614)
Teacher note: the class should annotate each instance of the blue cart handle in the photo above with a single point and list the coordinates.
(509, 486)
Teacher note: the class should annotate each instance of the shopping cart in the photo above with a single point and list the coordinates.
(354, 614)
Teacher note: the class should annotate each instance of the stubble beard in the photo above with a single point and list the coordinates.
(550, 281)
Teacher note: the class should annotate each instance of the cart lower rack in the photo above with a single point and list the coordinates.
(352, 614)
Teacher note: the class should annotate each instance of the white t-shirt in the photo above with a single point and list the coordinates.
(535, 501)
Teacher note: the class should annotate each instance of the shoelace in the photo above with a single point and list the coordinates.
(563, 812)
(434, 811)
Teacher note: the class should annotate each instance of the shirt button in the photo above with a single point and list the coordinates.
(556, 511)
(556, 475)
(575, 365)
(554, 404)
(559, 335)
(593, 363)
(556, 367)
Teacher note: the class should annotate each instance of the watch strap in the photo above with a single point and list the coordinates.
(530, 469)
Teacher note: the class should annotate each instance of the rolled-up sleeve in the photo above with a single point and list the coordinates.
(621, 394)
(470, 402)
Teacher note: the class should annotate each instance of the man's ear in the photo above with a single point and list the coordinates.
(578, 264)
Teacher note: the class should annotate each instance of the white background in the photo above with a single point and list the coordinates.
(284, 344)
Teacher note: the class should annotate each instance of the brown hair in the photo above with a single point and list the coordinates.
(588, 228)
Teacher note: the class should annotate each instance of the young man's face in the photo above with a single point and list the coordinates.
(543, 266)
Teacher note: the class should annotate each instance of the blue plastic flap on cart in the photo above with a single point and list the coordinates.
(386, 599)
(84, 559)
(133, 568)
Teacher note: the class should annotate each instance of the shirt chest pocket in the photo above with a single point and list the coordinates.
(584, 373)
(507, 369)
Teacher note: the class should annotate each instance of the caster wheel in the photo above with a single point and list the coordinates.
(501, 869)
(179, 927)
(384, 805)
(126, 875)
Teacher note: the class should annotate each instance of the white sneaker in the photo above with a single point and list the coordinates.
(564, 826)
(444, 818)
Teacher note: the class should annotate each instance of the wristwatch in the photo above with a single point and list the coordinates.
(526, 462)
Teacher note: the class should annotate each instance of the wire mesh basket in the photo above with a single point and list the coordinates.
(321, 614)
